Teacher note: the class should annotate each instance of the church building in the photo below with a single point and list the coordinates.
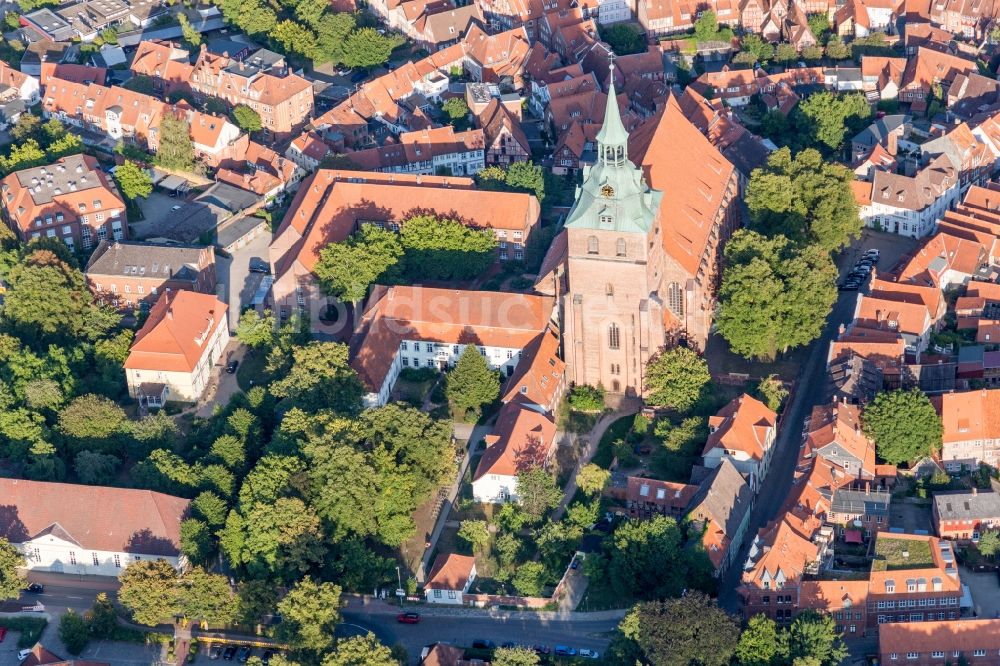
(637, 265)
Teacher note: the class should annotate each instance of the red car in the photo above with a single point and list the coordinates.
(3, 633)
(408, 618)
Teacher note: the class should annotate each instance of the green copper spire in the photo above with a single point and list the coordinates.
(612, 139)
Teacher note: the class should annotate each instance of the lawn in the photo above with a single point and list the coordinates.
(29, 628)
(606, 448)
(892, 553)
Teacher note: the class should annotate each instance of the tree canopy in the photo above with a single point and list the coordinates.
(472, 383)
(774, 295)
(175, 150)
(903, 424)
(825, 118)
(246, 118)
(805, 198)
(676, 378)
(133, 181)
(371, 255)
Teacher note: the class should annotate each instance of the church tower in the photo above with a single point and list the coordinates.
(613, 318)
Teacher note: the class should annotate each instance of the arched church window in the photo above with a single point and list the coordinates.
(620, 247)
(592, 247)
(675, 299)
(614, 337)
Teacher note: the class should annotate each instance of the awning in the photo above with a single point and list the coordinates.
(853, 536)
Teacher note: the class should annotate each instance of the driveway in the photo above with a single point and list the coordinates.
(222, 385)
(155, 208)
(985, 592)
(236, 284)
(911, 518)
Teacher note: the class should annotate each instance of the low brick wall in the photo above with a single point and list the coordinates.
(484, 600)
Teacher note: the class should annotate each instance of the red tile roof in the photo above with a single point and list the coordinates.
(742, 425)
(450, 572)
(540, 372)
(178, 326)
(95, 517)
(948, 637)
(521, 440)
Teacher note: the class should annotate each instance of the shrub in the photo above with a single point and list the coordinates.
(586, 398)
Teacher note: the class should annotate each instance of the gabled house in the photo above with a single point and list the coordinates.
(450, 578)
(522, 439)
(971, 429)
(185, 334)
(742, 432)
(721, 511)
(963, 515)
(834, 433)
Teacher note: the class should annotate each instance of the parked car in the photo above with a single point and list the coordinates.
(35, 588)
(872, 253)
(359, 76)
(589, 654)
(231, 367)
(23, 654)
(575, 564)
(176, 207)
(229, 652)
(266, 657)
(483, 644)
(215, 651)
(3, 633)
(565, 651)
(850, 285)
(259, 267)
(541, 650)
(244, 654)
(409, 617)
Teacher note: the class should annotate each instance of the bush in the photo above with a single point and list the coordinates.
(29, 628)
(586, 398)
(418, 375)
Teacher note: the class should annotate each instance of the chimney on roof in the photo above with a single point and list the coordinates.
(170, 313)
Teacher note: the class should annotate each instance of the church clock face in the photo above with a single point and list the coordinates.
(607, 191)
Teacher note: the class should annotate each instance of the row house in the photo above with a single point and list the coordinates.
(834, 434)
(574, 82)
(882, 77)
(971, 436)
(971, 95)
(433, 24)
(886, 132)
(72, 200)
(859, 513)
(963, 515)
(742, 432)
(914, 578)
(283, 100)
(972, 642)
(421, 327)
(502, 15)
(883, 348)
(945, 260)
(504, 141)
(972, 154)
(332, 204)
(125, 115)
(965, 18)
(166, 65)
(130, 274)
(929, 68)
(645, 498)
(861, 18)
(910, 205)
(428, 151)
(259, 170)
(524, 438)
(665, 17)
(911, 320)
(720, 510)
(495, 58)
(575, 149)
(17, 86)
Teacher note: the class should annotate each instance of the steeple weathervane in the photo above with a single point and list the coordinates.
(612, 140)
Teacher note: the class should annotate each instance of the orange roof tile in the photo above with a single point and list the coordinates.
(521, 440)
(539, 373)
(450, 572)
(971, 415)
(742, 425)
(179, 324)
(948, 637)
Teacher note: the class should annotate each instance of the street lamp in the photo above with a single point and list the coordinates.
(399, 589)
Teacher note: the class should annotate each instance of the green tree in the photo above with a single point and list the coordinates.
(773, 296)
(819, 24)
(73, 632)
(586, 398)
(826, 117)
(360, 651)
(635, 548)
(785, 53)
(754, 49)
(688, 630)
(196, 540)
(68, 144)
(706, 27)
(295, 38)
(526, 177)
(332, 30)
(677, 378)
(591, 479)
(814, 635)
(280, 540)
(836, 49)
(347, 269)
(758, 645)
(515, 656)
(812, 54)
(772, 392)
(471, 384)
(12, 579)
(476, 533)
(27, 126)
(310, 613)
(989, 543)
(257, 598)
(95, 469)
(256, 330)
(149, 590)
(133, 181)
(529, 579)
(207, 597)
(624, 38)
(175, 150)
(537, 492)
(191, 35)
(210, 507)
(455, 108)
(102, 620)
(445, 249)
(903, 424)
(367, 48)
(321, 378)
(92, 421)
(805, 199)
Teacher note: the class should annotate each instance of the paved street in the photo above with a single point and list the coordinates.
(526, 628)
(810, 391)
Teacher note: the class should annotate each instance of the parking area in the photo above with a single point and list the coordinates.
(204, 654)
(237, 283)
(156, 208)
(985, 589)
(118, 654)
(891, 248)
(911, 518)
